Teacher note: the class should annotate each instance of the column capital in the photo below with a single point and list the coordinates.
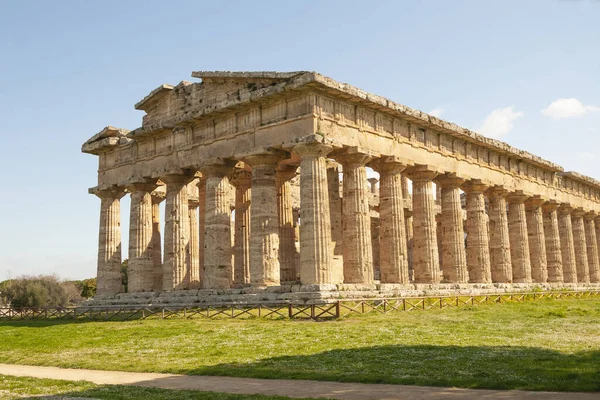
(390, 164)
(141, 187)
(517, 197)
(475, 186)
(550, 206)
(217, 167)
(264, 156)
(241, 178)
(450, 181)
(422, 173)
(312, 149)
(497, 192)
(193, 203)
(590, 216)
(565, 209)
(579, 212)
(108, 193)
(533, 203)
(182, 179)
(352, 155)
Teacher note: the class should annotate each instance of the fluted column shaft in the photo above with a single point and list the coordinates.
(177, 233)
(567, 247)
(335, 206)
(356, 220)
(425, 251)
(478, 252)
(519, 242)
(580, 244)
(595, 275)
(141, 264)
(592, 247)
(501, 264)
(201, 218)
(454, 257)
(407, 197)
(537, 240)
(109, 242)
(243, 197)
(315, 226)
(553, 247)
(157, 260)
(287, 233)
(194, 246)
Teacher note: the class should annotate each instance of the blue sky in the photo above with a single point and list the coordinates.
(526, 72)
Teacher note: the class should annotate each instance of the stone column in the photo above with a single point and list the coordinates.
(567, 247)
(358, 250)
(454, 257)
(595, 277)
(109, 242)
(217, 227)
(194, 246)
(478, 251)
(335, 205)
(177, 232)
(537, 240)
(243, 195)
(201, 218)
(285, 212)
(393, 261)
(592, 246)
(157, 261)
(552, 237)
(425, 251)
(373, 186)
(501, 264)
(140, 267)
(315, 223)
(579, 242)
(264, 220)
(519, 243)
(407, 197)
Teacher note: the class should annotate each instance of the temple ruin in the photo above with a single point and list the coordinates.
(267, 198)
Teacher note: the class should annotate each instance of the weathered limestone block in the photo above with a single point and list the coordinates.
(425, 251)
(454, 257)
(579, 242)
(109, 242)
(285, 211)
(592, 246)
(157, 261)
(393, 260)
(553, 245)
(537, 240)
(500, 258)
(567, 247)
(478, 252)
(194, 245)
(241, 179)
(519, 243)
(177, 232)
(315, 227)
(356, 222)
(217, 226)
(141, 263)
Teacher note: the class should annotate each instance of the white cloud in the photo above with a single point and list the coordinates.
(567, 108)
(437, 112)
(499, 122)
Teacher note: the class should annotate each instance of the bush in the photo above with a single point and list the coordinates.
(35, 292)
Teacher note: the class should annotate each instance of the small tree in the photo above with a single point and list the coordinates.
(124, 278)
(88, 288)
(35, 292)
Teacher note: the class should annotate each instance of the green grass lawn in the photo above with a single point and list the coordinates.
(543, 345)
(15, 388)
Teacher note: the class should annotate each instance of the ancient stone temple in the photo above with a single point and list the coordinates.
(269, 196)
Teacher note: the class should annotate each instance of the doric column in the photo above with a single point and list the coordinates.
(426, 262)
(592, 246)
(217, 226)
(264, 220)
(194, 246)
(500, 260)
(595, 275)
(285, 212)
(407, 197)
(519, 243)
(552, 237)
(579, 242)
(358, 251)
(393, 261)
(241, 179)
(177, 232)
(315, 226)
(335, 205)
(454, 257)
(140, 267)
(478, 251)
(201, 218)
(109, 242)
(537, 240)
(157, 261)
(567, 247)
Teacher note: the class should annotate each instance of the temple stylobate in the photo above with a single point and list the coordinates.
(264, 179)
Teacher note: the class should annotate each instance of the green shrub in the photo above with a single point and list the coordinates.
(35, 292)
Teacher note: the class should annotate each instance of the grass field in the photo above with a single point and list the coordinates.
(543, 345)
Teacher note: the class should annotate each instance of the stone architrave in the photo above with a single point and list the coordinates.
(500, 259)
(553, 247)
(537, 240)
(177, 232)
(241, 179)
(109, 242)
(217, 225)
(478, 251)
(315, 226)
(592, 246)
(454, 257)
(567, 247)
(264, 220)
(393, 260)
(426, 262)
(194, 246)
(580, 244)
(358, 250)
(140, 268)
(519, 243)
(285, 212)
